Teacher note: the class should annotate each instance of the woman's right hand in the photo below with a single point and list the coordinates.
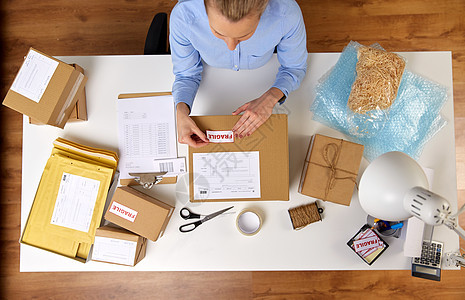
(188, 132)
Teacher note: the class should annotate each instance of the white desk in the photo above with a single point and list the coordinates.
(217, 245)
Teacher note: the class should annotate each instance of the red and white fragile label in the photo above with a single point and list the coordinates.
(366, 243)
(123, 211)
(223, 136)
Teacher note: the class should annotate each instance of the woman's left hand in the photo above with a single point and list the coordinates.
(256, 112)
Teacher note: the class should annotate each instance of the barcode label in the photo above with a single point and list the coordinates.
(166, 167)
(172, 166)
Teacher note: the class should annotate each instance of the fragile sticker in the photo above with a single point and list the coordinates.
(223, 136)
(367, 243)
(123, 211)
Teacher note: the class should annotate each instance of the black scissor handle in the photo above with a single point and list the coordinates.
(190, 226)
(187, 214)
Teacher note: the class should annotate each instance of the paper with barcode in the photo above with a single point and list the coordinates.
(173, 166)
(226, 175)
(146, 132)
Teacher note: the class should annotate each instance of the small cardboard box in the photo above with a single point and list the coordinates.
(139, 213)
(45, 89)
(118, 246)
(271, 143)
(330, 169)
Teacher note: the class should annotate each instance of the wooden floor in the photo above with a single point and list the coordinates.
(87, 27)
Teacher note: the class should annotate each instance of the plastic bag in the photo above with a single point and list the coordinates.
(414, 117)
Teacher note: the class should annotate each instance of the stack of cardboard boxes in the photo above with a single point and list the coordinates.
(140, 217)
(47, 90)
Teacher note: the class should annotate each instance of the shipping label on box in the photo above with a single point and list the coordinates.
(118, 246)
(330, 169)
(139, 213)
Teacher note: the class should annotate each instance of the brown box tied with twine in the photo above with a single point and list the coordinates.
(330, 169)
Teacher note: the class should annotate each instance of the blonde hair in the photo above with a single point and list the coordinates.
(236, 10)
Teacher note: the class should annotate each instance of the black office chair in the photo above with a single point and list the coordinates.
(156, 41)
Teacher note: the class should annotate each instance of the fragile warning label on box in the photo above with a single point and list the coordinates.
(123, 211)
(220, 136)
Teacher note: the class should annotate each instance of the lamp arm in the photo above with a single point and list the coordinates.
(459, 230)
(452, 223)
(461, 210)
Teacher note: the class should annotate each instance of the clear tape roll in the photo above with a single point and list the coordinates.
(249, 222)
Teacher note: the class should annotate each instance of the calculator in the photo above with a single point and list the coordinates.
(428, 265)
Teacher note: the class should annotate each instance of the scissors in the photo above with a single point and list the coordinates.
(187, 214)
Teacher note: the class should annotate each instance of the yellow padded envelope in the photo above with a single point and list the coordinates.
(69, 202)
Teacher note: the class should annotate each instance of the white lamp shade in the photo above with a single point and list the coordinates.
(385, 182)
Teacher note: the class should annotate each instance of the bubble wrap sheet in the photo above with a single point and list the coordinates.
(413, 118)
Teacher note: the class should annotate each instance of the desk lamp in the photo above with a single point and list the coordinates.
(394, 188)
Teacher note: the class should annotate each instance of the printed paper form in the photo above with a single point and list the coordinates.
(114, 250)
(226, 175)
(34, 75)
(147, 131)
(75, 202)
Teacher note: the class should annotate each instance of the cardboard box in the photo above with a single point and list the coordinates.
(271, 142)
(79, 113)
(45, 89)
(139, 213)
(330, 169)
(118, 246)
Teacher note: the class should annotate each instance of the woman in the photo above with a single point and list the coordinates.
(235, 34)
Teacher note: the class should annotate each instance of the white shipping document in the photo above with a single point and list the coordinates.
(114, 250)
(226, 175)
(34, 76)
(75, 202)
(147, 131)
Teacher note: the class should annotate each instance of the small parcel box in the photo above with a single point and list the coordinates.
(330, 169)
(45, 89)
(139, 213)
(118, 246)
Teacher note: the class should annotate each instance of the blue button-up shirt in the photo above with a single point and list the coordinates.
(281, 26)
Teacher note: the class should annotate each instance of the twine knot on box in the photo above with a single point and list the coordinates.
(331, 158)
